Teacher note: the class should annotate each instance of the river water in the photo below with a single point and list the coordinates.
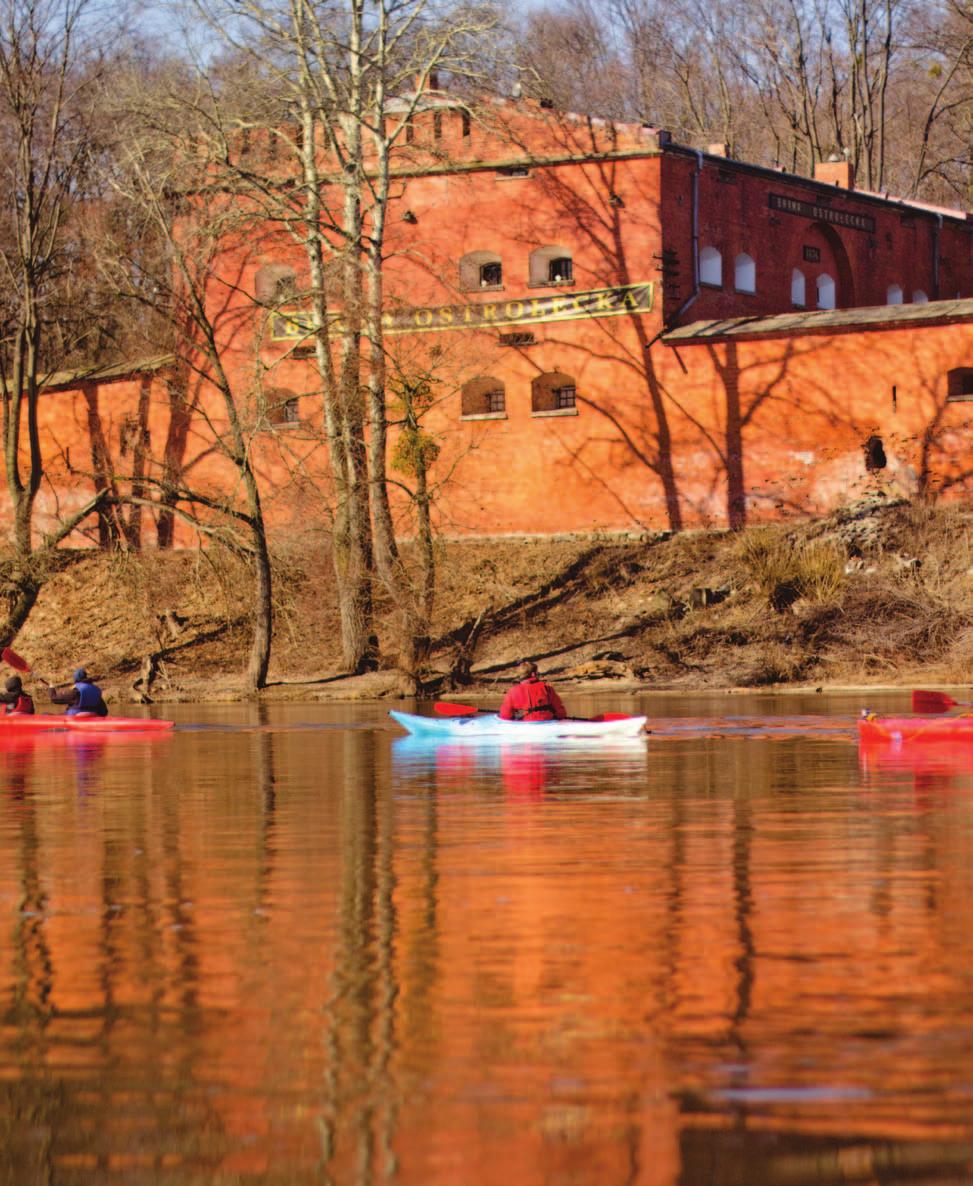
(285, 945)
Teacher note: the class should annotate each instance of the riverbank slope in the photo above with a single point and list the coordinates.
(878, 594)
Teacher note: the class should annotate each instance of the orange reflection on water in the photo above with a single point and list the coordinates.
(309, 955)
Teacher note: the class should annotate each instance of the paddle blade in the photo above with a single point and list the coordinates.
(932, 702)
(613, 716)
(445, 709)
(14, 660)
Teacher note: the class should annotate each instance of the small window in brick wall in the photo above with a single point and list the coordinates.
(560, 270)
(282, 407)
(959, 385)
(875, 458)
(554, 393)
(275, 284)
(483, 397)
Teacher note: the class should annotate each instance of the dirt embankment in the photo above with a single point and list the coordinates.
(877, 594)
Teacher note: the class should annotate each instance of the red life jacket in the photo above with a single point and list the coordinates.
(24, 706)
(533, 701)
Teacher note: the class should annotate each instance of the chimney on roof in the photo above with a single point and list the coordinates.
(721, 149)
(835, 170)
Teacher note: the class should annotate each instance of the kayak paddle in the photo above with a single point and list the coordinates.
(446, 708)
(20, 664)
(936, 702)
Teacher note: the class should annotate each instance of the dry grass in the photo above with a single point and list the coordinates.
(786, 570)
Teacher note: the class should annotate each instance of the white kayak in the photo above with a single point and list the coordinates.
(488, 724)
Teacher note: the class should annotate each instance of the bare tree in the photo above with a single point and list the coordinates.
(350, 77)
(49, 66)
(163, 175)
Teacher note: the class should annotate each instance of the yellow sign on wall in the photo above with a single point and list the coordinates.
(562, 306)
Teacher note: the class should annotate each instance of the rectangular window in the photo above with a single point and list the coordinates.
(496, 401)
(491, 275)
(466, 123)
(565, 397)
(560, 271)
(959, 385)
(812, 255)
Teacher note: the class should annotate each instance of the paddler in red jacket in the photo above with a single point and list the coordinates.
(532, 699)
(16, 699)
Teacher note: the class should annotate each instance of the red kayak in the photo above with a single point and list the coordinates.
(41, 720)
(82, 722)
(915, 730)
(89, 723)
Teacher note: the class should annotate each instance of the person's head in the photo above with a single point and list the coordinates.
(80, 676)
(14, 684)
(529, 669)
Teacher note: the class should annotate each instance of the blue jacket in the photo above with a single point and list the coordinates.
(89, 700)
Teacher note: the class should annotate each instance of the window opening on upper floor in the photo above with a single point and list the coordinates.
(744, 273)
(275, 284)
(919, 297)
(466, 122)
(798, 289)
(561, 270)
(480, 270)
(550, 265)
(893, 295)
(826, 291)
(554, 393)
(483, 398)
(711, 267)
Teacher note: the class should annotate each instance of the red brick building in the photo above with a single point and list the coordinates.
(627, 334)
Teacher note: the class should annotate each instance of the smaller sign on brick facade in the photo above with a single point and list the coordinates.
(846, 218)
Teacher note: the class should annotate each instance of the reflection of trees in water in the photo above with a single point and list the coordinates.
(360, 1035)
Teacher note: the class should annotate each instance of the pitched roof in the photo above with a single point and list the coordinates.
(823, 321)
(106, 372)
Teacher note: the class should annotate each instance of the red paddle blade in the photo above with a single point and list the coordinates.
(14, 660)
(445, 709)
(932, 702)
(612, 716)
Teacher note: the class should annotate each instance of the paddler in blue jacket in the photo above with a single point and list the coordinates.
(84, 696)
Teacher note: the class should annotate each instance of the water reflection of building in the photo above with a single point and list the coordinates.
(275, 956)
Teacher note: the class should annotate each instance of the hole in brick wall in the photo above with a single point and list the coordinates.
(875, 458)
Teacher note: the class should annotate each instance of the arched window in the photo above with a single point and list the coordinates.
(274, 284)
(798, 289)
(484, 396)
(480, 269)
(744, 273)
(919, 297)
(711, 267)
(553, 393)
(826, 291)
(894, 295)
(551, 265)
